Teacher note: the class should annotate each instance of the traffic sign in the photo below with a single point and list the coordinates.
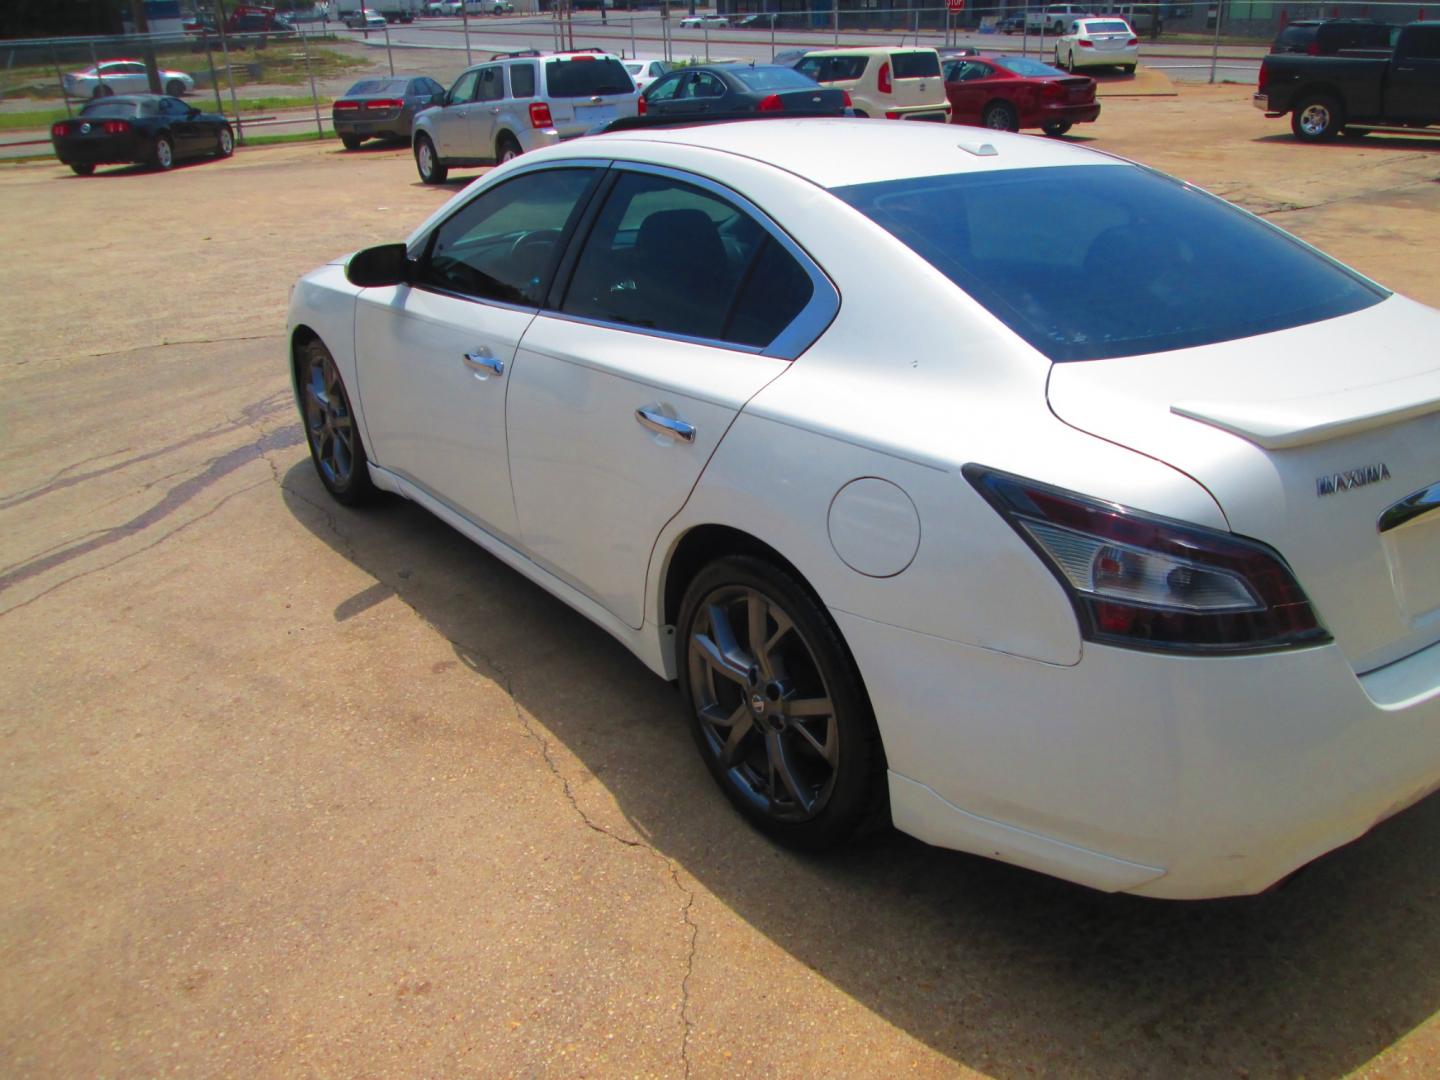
(955, 5)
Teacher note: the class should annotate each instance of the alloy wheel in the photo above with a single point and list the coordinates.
(328, 421)
(1315, 119)
(765, 711)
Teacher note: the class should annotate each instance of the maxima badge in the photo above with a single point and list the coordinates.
(1351, 478)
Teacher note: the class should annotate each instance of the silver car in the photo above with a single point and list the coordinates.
(519, 102)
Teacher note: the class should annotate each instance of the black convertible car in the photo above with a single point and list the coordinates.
(139, 128)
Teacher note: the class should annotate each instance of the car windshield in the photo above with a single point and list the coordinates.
(587, 77)
(111, 110)
(773, 78)
(1030, 69)
(1110, 26)
(1090, 262)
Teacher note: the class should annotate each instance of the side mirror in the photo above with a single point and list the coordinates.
(194, 112)
(388, 264)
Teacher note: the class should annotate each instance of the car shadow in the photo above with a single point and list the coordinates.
(1377, 141)
(999, 969)
(141, 169)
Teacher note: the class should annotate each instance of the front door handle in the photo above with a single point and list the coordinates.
(666, 425)
(482, 360)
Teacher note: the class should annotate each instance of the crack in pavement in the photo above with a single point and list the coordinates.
(503, 678)
(141, 348)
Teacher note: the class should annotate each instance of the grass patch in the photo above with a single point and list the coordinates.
(275, 140)
(40, 119)
(282, 62)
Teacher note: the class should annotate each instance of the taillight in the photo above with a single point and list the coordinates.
(892, 115)
(1052, 91)
(1264, 76)
(1133, 42)
(1313, 49)
(116, 127)
(883, 81)
(641, 107)
(540, 114)
(770, 104)
(1087, 44)
(60, 130)
(845, 99)
(385, 103)
(346, 106)
(1144, 582)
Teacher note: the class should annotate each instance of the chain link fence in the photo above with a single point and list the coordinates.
(285, 82)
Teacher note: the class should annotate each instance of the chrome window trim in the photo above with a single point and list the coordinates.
(802, 331)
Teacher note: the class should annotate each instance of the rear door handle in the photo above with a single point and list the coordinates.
(666, 425)
(481, 360)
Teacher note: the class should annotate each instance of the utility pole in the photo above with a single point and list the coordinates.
(142, 27)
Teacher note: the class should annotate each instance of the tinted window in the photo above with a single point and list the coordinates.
(665, 255)
(111, 110)
(503, 244)
(1295, 37)
(1091, 262)
(773, 78)
(587, 77)
(1019, 65)
(491, 84)
(666, 88)
(522, 80)
(1109, 27)
(969, 71)
(915, 65)
(705, 85)
(833, 68)
(174, 107)
(366, 86)
(1422, 43)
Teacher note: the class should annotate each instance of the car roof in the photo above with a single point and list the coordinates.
(842, 151)
(869, 50)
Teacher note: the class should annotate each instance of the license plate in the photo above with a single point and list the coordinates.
(596, 114)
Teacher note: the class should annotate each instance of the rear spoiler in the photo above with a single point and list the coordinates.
(1300, 421)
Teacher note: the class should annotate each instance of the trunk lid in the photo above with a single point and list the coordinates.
(816, 99)
(1312, 440)
(916, 78)
(587, 90)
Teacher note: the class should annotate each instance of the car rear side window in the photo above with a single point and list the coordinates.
(826, 69)
(587, 77)
(773, 78)
(1421, 43)
(669, 256)
(522, 80)
(504, 243)
(1101, 261)
(915, 65)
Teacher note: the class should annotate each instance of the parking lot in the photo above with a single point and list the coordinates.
(292, 789)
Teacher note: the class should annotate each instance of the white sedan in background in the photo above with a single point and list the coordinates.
(1051, 508)
(1098, 43)
(644, 70)
(123, 77)
(696, 21)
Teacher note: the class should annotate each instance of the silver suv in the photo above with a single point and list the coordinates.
(519, 102)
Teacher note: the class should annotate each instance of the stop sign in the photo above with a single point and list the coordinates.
(955, 5)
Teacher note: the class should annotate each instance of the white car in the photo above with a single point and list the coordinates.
(366, 20)
(1098, 43)
(694, 21)
(1056, 509)
(644, 70)
(123, 77)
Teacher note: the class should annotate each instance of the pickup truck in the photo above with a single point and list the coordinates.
(1327, 95)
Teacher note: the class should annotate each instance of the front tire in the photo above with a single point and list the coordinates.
(335, 444)
(82, 170)
(1001, 116)
(351, 142)
(225, 142)
(1056, 128)
(1317, 118)
(427, 163)
(164, 153)
(1129, 70)
(776, 706)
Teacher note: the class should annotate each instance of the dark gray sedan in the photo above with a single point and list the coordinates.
(740, 88)
(383, 108)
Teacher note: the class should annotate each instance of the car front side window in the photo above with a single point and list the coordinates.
(491, 84)
(464, 88)
(503, 244)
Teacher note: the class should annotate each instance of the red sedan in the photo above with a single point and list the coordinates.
(1013, 92)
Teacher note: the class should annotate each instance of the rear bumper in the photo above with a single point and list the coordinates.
(396, 128)
(1262, 102)
(115, 149)
(1070, 114)
(934, 113)
(1175, 777)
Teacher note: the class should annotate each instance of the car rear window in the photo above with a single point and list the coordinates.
(1109, 26)
(1019, 65)
(773, 78)
(111, 110)
(1295, 36)
(916, 65)
(587, 77)
(375, 86)
(833, 68)
(1091, 262)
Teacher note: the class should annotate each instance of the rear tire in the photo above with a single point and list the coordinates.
(175, 88)
(82, 170)
(1317, 118)
(351, 142)
(507, 149)
(1056, 128)
(1000, 116)
(783, 722)
(164, 153)
(427, 162)
(1129, 70)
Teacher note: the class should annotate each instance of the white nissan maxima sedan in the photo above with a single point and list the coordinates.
(1044, 505)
